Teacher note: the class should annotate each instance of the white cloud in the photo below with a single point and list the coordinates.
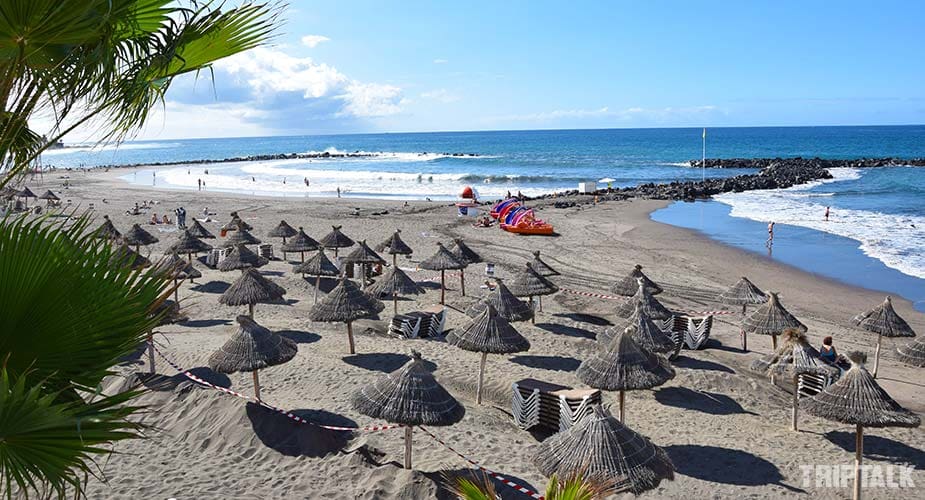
(312, 41)
(441, 95)
(654, 115)
(440, 61)
(372, 99)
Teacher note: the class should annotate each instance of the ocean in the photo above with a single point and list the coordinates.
(880, 212)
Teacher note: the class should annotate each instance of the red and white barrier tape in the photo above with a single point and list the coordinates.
(499, 477)
(269, 406)
(615, 297)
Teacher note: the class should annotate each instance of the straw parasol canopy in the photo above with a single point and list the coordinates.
(442, 260)
(282, 230)
(488, 333)
(200, 231)
(318, 266)
(508, 306)
(394, 246)
(336, 240)
(301, 243)
(249, 289)
(240, 237)
(241, 257)
(602, 448)
(137, 237)
(912, 353)
(189, 244)
(629, 284)
(107, 230)
(177, 269)
(364, 256)
(49, 196)
(647, 334)
(125, 256)
(883, 321)
(771, 319)
(649, 304)
(409, 396)
(467, 256)
(530, 283)
(856, 399)
(26, 193)
(252, 348)
(794, 358)
(743, 293)
(394, 283)
(345, 304)
(541, 266)
(236, 223)
(624, 366)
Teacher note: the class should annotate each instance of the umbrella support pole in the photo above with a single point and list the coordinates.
(622, 401)
(408, 431)
(533, 317)
(539, 303)
(744, 341)
(442, 287)
(773, 343)
(794, 426)
(302, 257)
(317, 286)
(462, 281)
(250, 310)
(478, 390)
(395, 302)
(350, 337)
(176, 291)
(858, 458)
(363, 276)
(151, 351)
(877, 356)
(256, 385)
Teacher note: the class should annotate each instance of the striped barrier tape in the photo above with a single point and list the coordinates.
(615, 297)
(269, 406)
(499, 477)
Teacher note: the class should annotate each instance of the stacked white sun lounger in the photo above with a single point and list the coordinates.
(555, 407)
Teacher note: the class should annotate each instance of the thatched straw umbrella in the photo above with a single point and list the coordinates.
(409, 396)
(364, 256)
(394, 283)
(188, 244)
(241, 257)
(394, 246)
(770, 319)
(530, 283)
(336, 240)
(283, 230)
(301, 243)
(912, 353)
(630, 283)
(240, 237)
(488, 333)
(442, 260)
(508, 306)
(176, 268)
(650, 305)
(200, 231)
(107, 230)
(49, 197)
(743, 293)
(645, 332)
(856, 399)
(319, 266)
(467, 256)
(883, 321)
(252, 348)
(125, 256)
(542, 267)
(236, 223)
(25, 194)
(138, 237)
(249, 289)
(345, 304)
(600, 447)
(794, 358)
(624, 366)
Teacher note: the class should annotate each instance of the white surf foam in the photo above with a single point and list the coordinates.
(897, 241)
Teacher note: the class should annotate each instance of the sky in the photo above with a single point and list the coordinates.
(414, 66)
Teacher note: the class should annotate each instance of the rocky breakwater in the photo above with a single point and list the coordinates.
(323, 155)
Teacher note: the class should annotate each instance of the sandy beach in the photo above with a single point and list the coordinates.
(725, 428)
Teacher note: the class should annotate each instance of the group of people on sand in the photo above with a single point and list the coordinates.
(770, 240)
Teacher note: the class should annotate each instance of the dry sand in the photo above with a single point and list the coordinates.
(726, 430)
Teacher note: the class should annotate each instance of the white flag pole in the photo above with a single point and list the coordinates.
(703, 159)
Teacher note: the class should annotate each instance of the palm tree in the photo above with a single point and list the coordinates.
(573, 487)
(69, 314)
(106, 62)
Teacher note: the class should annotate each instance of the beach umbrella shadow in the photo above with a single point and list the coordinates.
(204, 323)
(569, 331)
(584, 318)
(299, 337)
(385, 362)
(705, 402)
(555, 363)
(700, 364)
(158, 382)
(212, 287)
(291, 438)
(880, 448)
(725, 465)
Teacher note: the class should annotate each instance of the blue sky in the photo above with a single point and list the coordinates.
(372, 66)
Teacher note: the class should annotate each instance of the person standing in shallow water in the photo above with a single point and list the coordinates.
(826, 214)
(770, 241)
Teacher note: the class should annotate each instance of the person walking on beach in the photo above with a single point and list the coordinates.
(826, 214)
(770, 234)
(199, 181)
(338, 191)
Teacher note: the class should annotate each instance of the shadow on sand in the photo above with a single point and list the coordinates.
(294, 439)
(725, 465)
(160, 383)
(300, 337)
(700, 364)
(557, 363)
(385, 362)
(879, 448)
(584, 318)
(705, 402)
(570, 331)
(212, 287)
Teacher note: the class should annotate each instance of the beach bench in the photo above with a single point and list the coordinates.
(555, 407)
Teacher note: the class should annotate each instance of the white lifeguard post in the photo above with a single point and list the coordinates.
(587, 187)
